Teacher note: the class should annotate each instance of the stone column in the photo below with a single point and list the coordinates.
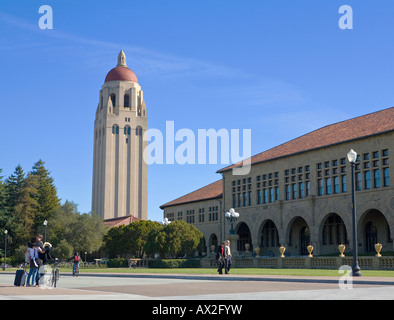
(233, 238)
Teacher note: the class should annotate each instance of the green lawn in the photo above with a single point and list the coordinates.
(235, 271)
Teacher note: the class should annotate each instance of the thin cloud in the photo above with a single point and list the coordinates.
(97, 52)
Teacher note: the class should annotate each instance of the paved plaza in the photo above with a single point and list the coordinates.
(199, 287)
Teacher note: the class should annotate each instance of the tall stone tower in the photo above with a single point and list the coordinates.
(120, 174)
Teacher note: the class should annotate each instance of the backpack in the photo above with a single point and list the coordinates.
(77, 258)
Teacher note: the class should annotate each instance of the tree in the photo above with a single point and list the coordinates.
(47, 195)
(156, 241)
(88, 231)
(136, 235)
(175, 239)
(182, 238)
(24, 212)
(83, 232)
(3, 203)
(115, 242)
(14, 185)
(63, 250)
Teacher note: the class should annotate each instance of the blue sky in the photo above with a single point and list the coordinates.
(279, 68)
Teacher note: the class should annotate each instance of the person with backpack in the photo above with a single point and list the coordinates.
(77, 259)
(31, 258)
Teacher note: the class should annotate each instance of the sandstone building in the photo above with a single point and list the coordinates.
(119, 171)
(299, 193)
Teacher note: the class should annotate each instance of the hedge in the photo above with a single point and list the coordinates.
(174, 263)
(117, 263)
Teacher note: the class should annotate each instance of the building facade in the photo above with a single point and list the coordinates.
(299, 193)
(120, 175)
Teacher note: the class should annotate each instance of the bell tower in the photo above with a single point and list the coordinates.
(120, 174)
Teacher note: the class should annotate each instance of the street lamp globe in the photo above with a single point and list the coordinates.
(352, 156)
(231, 216)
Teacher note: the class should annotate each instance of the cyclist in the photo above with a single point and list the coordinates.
(77, 259)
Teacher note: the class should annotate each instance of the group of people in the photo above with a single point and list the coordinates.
(37, 255)
(223, 257)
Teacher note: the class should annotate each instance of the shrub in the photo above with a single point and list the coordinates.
(117, 263)
(174, 263)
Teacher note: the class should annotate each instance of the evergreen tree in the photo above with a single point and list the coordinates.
(22, 223)
(3, 202)
(14, 185)
(48, 201)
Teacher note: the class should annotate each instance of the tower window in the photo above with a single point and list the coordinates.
(127, 130)
(126, 101)
(138, 131)
(115, 129)
(113, 99)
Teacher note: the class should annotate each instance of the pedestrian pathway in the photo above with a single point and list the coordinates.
(121, 286)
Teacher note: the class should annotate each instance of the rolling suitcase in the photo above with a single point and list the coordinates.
(20, 276)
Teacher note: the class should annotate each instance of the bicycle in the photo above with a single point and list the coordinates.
(55, 273)
(76, 269)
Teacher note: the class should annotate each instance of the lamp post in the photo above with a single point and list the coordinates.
(232, 216)
(165, 222)
(5, 247)
(352, 157)
(45, 230)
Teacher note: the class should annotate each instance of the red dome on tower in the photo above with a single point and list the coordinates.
(121, 72)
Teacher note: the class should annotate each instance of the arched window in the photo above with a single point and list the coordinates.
(127, 130)
(126, 100)
(138, 131)
(371, 235)
(244, 237)
(115, 129)
(269, 235)
(113, 99)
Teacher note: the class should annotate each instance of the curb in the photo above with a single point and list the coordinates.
(295, 279)
(361, 281)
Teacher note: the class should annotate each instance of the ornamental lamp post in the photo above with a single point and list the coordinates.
(232, 216)
(5, 247)
(45, 230)
(352, 157)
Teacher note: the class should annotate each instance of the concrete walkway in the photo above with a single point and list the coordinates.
(121, 286)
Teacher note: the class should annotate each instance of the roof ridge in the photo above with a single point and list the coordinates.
(311, 134)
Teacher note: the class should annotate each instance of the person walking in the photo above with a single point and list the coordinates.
(228, 258)
(221, 255)
(32, 254)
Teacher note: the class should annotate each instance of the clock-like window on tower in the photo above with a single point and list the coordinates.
(115, 129)
(126, 100)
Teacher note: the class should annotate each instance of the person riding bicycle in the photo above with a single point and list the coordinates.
(77, 259)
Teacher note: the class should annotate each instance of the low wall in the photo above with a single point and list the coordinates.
(365, 263)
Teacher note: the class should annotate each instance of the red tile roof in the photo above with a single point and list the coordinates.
(116, 222)
(121, 73)
(211, 191)
(356, 128)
